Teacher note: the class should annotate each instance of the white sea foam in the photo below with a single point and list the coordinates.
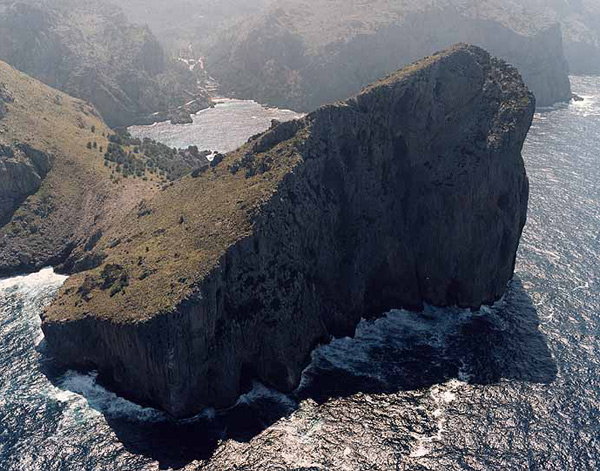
(81, 391)
(33, 291)
(442, 395)
(31, 285)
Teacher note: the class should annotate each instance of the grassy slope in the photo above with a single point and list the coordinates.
(77, 197)
(169, 244)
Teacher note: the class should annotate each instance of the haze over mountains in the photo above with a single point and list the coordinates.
(281, 51)
(120, 55)
(91, 51)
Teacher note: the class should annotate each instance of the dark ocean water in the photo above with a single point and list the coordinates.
(513, 387)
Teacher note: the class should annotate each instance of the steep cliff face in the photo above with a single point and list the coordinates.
(90, 51)
(21, 173)
(580, 21)
(303, 58)
(414, 191)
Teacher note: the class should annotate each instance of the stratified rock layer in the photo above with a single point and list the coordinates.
(412, 192)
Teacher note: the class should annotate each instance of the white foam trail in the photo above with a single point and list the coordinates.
(33, 291)
(30, 285)
(83, 394)
(442, 396)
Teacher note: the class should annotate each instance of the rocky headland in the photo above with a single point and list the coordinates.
(412, 192)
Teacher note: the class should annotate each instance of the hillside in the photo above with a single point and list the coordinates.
(56, 191)
(240, 270)
(301, 54)
(90, 51)
(580, 21)
(179, 23)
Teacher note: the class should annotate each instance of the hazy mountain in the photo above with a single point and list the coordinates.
(302, 54)
(91, 51)
(177, 23)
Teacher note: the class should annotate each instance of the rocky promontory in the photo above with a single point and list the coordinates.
(412, 192)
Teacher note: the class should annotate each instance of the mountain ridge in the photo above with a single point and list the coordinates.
(287, 57)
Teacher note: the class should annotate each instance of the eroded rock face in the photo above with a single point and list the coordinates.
(412, 192)
(22, 170)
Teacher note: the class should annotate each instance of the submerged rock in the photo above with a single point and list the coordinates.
(575, 97)
(412, 192)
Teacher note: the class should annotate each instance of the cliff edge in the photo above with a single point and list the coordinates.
(412, 192)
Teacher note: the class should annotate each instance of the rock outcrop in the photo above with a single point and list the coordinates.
(412, 192)
(290, 57)
(22, 170)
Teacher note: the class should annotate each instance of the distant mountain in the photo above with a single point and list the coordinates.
(178, 23)
(302, 54)
(581, 26)
(580, 21)
(90, 51)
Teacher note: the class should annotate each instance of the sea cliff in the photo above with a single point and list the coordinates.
(412, 192)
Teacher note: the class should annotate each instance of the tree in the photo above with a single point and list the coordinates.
(93, 128)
